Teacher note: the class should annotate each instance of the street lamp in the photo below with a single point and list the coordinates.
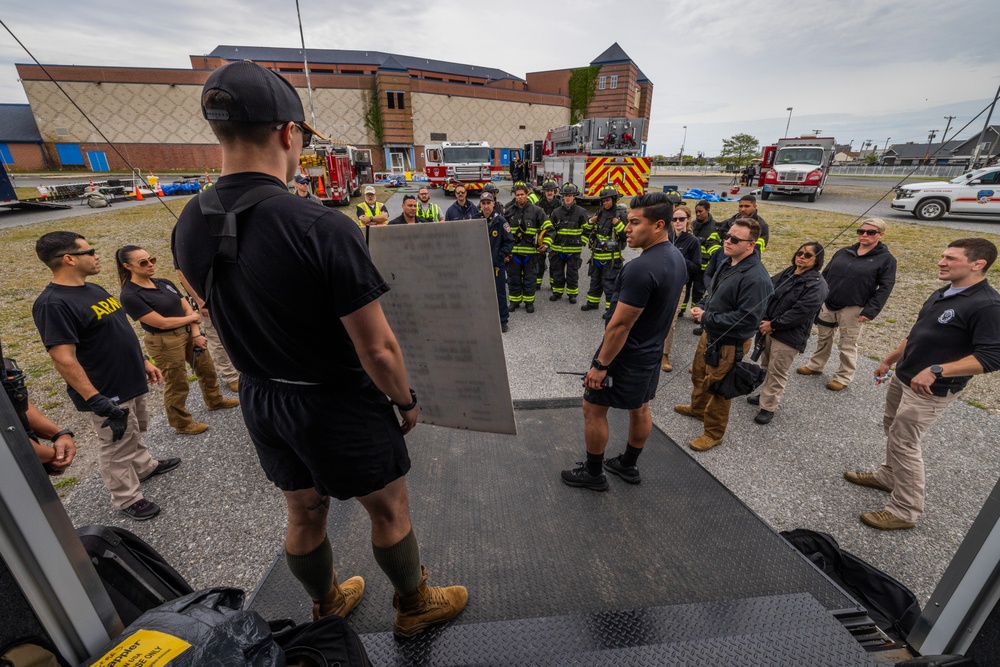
(684, 141)
(789, 110)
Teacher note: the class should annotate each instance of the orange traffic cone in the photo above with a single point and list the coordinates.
(159, 190)
(320, 190)
(138, 192)
(208, 179)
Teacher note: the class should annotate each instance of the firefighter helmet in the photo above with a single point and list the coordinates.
(549, 184)
(520, 184)
(570, 189)
(492, 189)
(609, 191)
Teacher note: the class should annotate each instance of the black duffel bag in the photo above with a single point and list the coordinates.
(742, 378)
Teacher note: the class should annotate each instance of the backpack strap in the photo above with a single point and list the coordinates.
(222, 224)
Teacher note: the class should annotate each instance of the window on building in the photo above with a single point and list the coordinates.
(394, 100)
(602, 82)
(614, 81)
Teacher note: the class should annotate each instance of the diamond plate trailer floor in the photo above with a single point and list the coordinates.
(675, 570)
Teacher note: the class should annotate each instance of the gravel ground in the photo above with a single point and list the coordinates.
(222, 522)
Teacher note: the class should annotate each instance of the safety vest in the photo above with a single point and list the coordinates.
(432, 214)
(379, 210)
(533, 198)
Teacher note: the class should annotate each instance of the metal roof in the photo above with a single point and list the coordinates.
(17, 124)
(613, 54)
(915, 150)
(345, 57)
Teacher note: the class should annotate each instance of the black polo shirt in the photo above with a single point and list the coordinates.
(951, 328)
(163, 299)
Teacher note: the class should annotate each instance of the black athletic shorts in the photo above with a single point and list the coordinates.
(631, 386)
(342, 443)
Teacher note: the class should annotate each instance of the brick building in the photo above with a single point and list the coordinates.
(152, 116)
(20, 142)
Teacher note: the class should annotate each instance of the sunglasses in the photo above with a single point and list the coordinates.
(804, 253)
(682, 217)
(147, 262)
(734, 239)
(91, 252)
(307, 136)
(869, 232)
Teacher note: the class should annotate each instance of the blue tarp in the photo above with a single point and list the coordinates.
(696, 193)
(179, 188)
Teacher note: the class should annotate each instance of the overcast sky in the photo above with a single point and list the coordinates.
(856, 70)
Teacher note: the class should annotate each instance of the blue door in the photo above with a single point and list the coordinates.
(98, 161)
(69, 154)
(504, 157)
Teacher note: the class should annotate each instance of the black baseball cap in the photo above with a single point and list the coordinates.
(261, 96)
(299, 178)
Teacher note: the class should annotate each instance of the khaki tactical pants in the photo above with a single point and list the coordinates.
(223, 366)
(122, 464)
(714, 408)
(850, 330)
(777, 360)
(170, 352)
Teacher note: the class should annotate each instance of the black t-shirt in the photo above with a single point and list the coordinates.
(652, 281)
(400, 220)
(300, 268)
(164, 299)
(949, 328)
(106, 345)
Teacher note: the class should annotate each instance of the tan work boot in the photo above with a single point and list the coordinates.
(234, 385)
(805, 370)
(194, 428)
(341, 600)
(866, 479)
(665, 365)
(224, 404)
(703, 443)
(427, 606)
(687, 411)
(886, 520)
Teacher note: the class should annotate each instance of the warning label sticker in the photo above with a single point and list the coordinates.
(144, 648)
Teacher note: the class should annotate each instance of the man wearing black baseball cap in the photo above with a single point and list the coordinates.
(302, 189)
(298, 280)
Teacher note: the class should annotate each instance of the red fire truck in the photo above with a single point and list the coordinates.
(594, 153)
(453, 163)
(335, 172)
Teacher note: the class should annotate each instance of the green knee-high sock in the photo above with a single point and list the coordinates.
(401, 563)
(314, 570)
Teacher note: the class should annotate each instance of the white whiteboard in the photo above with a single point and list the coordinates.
(442, 306)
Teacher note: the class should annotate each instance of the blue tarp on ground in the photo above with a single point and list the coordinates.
(696, 193)
(180, 188)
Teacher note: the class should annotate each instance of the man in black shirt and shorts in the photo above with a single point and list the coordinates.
(296, 305)
(94, 348)
(643, 306)
(956, 336)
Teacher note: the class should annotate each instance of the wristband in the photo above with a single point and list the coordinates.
(61, 433)
(596, 363)
(413, 404)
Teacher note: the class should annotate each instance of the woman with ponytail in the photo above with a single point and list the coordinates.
(173, 338)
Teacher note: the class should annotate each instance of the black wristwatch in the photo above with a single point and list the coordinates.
(413, 403)
(937, 370)
(61, 433)
(596, 363)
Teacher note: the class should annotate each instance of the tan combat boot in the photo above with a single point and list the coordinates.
(427, 606)
(341, 600)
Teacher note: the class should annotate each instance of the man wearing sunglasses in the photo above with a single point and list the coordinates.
(860, 278)
(94, 348)
(296, 302)
(730, 314)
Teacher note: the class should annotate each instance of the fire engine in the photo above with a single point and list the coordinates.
(334, 171)
(797, 166)
(593, 153)
(453, 163)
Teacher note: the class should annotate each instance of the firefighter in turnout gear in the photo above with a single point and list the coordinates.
(495, 191)
(607, 238)
(548, 202)
(525, 221)
(564, 237)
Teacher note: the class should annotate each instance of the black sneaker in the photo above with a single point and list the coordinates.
(753, 400)
(764, 416)
(504, 328)
(141, 510)
(580, 477)
(162, 466)
(629, 473)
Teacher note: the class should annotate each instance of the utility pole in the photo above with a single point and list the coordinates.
(683, 141)
(930, 140)
(944, 137)
(305, 64)
(985, 126)
(789, 110)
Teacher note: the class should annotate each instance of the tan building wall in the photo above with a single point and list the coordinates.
(497, 122)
